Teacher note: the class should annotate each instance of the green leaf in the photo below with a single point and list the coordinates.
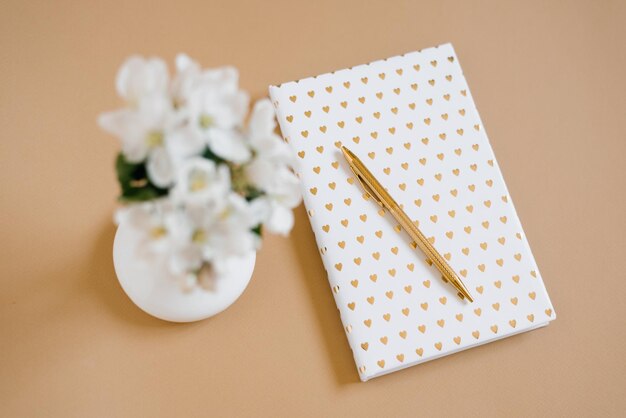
(134, 181)
(210, 155)
(258, 229)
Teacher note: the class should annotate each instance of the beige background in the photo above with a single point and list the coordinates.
(549, 80)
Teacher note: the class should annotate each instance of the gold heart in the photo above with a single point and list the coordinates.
(313, 190)
(497, 284)
(360, 238)
(329, 206)
(364, 80)
(305, 133)
(376, 255)
(384, 340)
(478, 311)
(311, 93)
(406, 311)
(326, 228)
(344, 104)
(359, 119)
(290, 118)
(438, 346)
(422, 328)
(392, 272)
(329, 89)
(479, 289)
(402, 334)
(426, 284)
(494, 329)
(443, 300)
(389, 294)
(531, 317)
(351, 305)
(373, 277)
(405, 166)
(354, 283)
(365, 346)
(400, 357)
(412, 106)
(515, 278)
(512, 323)
(338, 266)
(441, 323)
(387, 317)
(424, 306)
(371, 300)
(419, 351)
(457, 340)
(408, 289)
(476, 334)
(344, 222)
(342, 244)
(548, 312)
(459, 317)
(514, 301)
(410, 266)
(293, 98)
(379, 234)
(368, 323)
(532, 295)
(381, 363)
(496, 306)
(363, 217)
(357, 261)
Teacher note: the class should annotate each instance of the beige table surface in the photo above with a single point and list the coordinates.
(549, 81)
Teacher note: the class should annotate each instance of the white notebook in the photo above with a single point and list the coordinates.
(411, 119)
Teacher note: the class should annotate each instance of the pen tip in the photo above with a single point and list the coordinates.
(346, 153)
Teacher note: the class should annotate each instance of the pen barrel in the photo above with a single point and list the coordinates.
(422, 242)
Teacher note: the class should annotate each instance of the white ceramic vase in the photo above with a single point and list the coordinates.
(150, 286)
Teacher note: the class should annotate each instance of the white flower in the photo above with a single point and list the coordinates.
(203, 183)
(150, 132)
(269, 170)
(214, 107)
(139, 77)
(152, 218)
(262, 136)
(201, 235)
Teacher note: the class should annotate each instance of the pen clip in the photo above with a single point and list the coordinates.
(367, 188)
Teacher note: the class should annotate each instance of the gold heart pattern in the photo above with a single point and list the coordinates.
(412, 120)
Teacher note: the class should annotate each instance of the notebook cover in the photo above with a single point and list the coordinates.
(412, 121)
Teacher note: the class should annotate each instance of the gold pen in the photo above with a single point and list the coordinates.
(384, 199)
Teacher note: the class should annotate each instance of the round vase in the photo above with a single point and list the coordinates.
(151, 287)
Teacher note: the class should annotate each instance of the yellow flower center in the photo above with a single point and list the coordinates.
(199, 236)
(206, 121)
(154, 139)
(198, 182)
(158, 232)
